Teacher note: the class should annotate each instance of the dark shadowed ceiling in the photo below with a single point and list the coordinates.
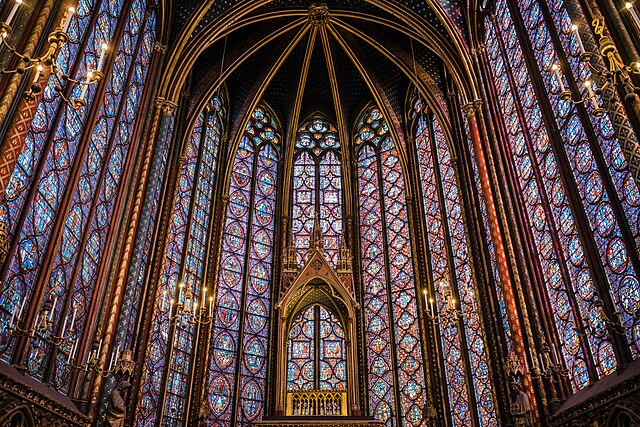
(285, 57)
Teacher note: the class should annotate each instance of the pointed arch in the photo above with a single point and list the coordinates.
(317, 185)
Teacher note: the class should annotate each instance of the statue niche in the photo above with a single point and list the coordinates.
(317, 369)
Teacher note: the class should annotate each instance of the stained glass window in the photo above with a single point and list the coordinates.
(463, 342)
(586, 342)
(317, 187)
(45, 194)
(394, 354)
(317, 351)
(597, 202)
(182, 275)
(239, 337)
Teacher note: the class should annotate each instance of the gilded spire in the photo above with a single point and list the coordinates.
(317, 238)
(290, 256)
(344, 255)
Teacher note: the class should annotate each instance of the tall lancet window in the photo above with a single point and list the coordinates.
(236, 378)
(317, 187)
(576, 188)
(394, 353)
(453, 301)
(60, 203)
(170, 348)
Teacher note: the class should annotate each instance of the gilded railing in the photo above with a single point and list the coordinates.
(316, 403)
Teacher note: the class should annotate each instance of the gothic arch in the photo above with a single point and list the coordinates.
(317, 283)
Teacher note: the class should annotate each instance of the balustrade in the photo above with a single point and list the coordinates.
(317, 403)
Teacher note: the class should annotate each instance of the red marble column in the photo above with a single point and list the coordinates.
(501, 253)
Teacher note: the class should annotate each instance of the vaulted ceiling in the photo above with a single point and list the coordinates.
(352, 52)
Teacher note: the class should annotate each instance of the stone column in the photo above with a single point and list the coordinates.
(473, 112)
(153, 166)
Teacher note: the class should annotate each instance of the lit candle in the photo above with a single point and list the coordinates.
(170, 306)
(180, 292)
(633, 13)
(558, 74)
(433, 306)
(66, 20)
(195, 307)
(210, 306)
(592, 95)
(39, 69)
(576, 31)
(103, 56)
(13, 12)
(204, 293)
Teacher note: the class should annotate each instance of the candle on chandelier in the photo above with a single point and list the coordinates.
(103, 57)
(24, 300)
(558, 74)
(592, 94)
(66, 20)
(73, 318)
(113, 356)
(74, 349)
(556, 359)
(13, 12)
(210, 306)
(13, 315)
(85, 85)
(181, 286)
(633, 13)
(542, 365)
(163, 300)
(53, 308)
(433, 306)
(64, 328)
(36, 77)
(576, 31)
(195, 307)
